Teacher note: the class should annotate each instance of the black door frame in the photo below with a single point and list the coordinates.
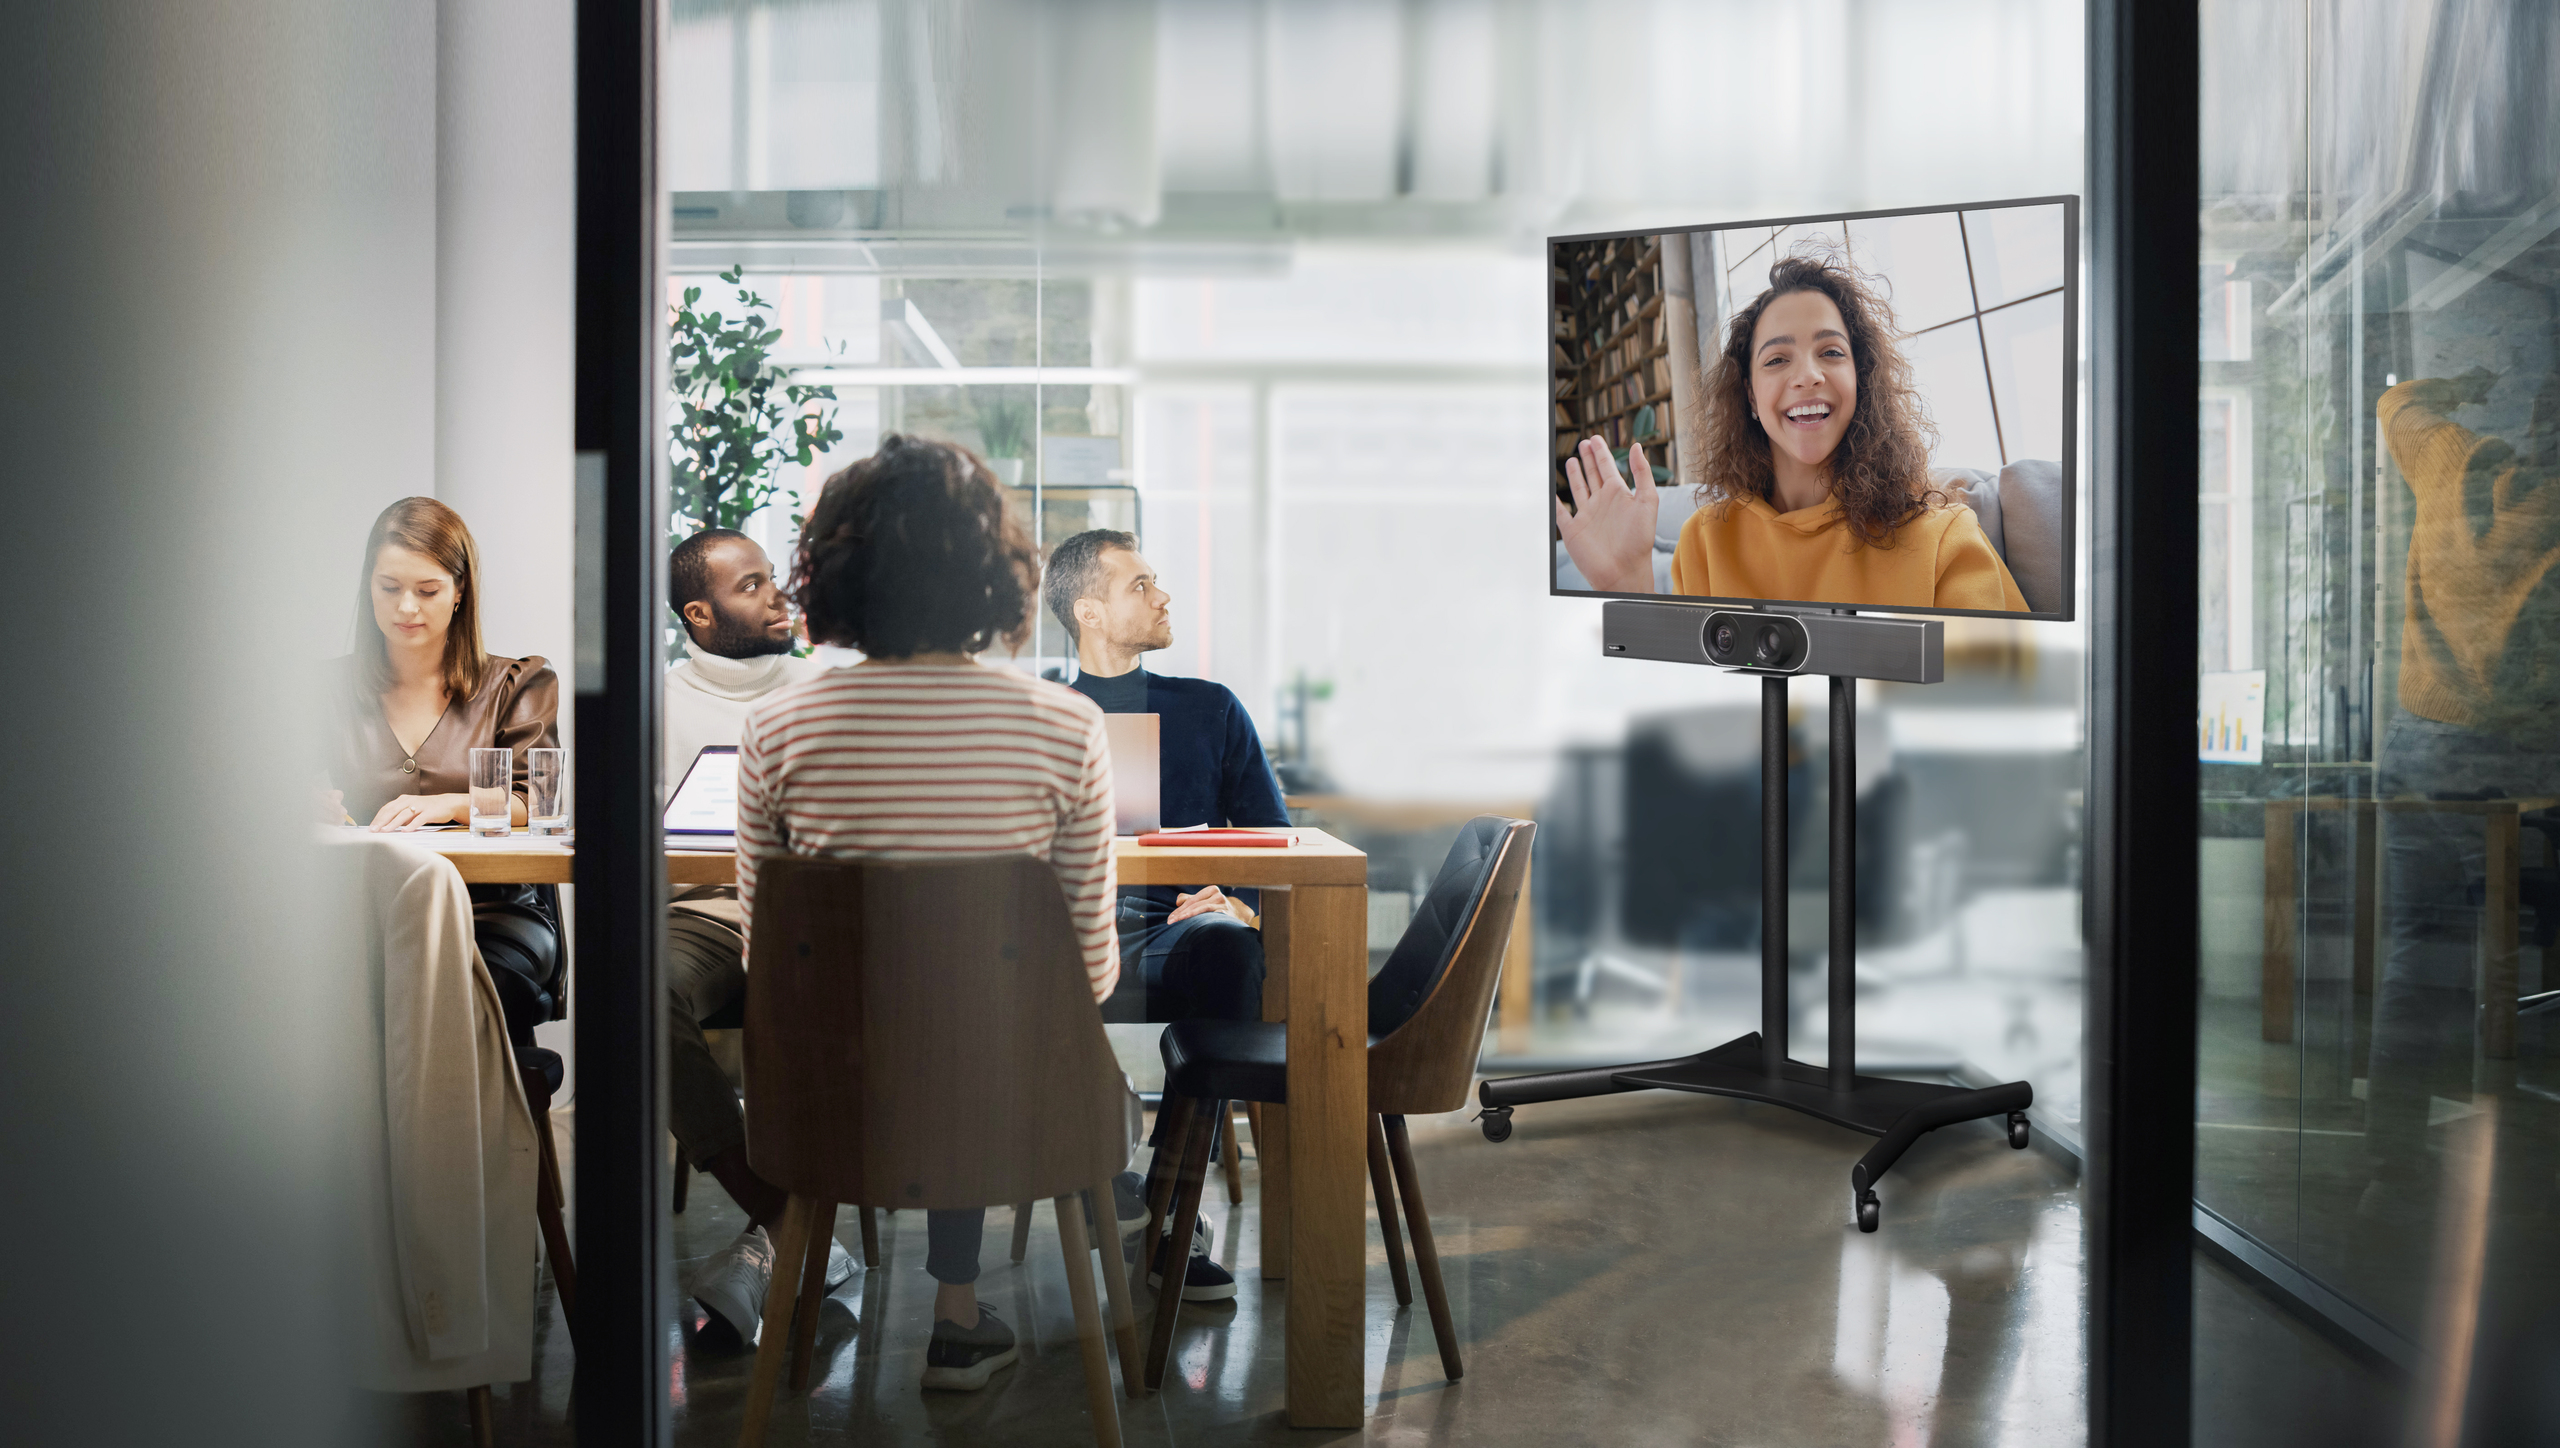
(2141, 886)
(625, 1288)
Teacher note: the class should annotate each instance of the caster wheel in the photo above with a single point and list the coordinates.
(1497, 1124)
(1870, 1212)
(2018, 1130)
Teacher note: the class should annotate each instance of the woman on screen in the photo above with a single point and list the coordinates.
(1816, 485)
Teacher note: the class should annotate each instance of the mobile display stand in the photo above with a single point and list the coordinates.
(1755, 1067)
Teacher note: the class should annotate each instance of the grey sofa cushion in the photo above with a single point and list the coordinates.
(2031, 508)
(2020, 509)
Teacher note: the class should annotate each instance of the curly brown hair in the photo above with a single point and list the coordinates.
(912, 551)
(1880, 472)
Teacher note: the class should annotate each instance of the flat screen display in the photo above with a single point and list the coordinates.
(1870, 410)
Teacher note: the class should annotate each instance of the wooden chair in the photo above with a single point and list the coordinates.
(733, 1017)
(1427, 1015)
(922, 1035)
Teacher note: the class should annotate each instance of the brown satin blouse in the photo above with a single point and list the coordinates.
(517, 707)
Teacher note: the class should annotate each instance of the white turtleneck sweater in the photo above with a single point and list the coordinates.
(708, 697)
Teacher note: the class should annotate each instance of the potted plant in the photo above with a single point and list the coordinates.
(1004, 426)
(739, 419)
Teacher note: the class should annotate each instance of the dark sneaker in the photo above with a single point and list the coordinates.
(1204, 1280)
(1129, 1202)
(961, 1359)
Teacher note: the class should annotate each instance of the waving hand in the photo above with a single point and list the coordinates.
(1609, 530)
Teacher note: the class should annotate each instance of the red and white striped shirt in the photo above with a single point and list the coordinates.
(920, 762)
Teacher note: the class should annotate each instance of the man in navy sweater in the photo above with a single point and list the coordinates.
(1195, 954)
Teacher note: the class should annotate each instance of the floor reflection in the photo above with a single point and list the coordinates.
(1648, 1269)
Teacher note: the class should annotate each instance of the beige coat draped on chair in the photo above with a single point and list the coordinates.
(449, 1159)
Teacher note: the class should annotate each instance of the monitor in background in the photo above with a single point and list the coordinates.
(1136, 785)
(702, 814)
(1870, 410)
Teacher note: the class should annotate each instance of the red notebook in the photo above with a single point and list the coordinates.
(1218, 839)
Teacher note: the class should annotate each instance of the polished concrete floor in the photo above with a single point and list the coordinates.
(1641, 1270)
(2283, 1152)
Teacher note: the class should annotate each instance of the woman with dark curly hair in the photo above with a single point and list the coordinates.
(1816, 485)
(920, 752)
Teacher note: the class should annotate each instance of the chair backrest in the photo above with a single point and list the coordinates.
(923, 1035)
(1428, 1007)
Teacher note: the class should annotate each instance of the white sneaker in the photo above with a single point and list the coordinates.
(732, 1285)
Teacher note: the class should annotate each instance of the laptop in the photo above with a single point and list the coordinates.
(1137, 797)
(702, 814)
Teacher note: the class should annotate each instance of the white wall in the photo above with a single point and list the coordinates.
(505, 321)
(506, 268)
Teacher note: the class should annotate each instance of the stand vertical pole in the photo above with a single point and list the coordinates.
(1773, 875)
(1844, 884)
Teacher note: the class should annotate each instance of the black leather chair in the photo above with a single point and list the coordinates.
(1427, 1013)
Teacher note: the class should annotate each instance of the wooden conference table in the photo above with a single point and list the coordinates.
(2502, 821)
(1313, 1155)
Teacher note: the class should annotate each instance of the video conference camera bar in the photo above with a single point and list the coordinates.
(1762, 641)
(1756, 1067)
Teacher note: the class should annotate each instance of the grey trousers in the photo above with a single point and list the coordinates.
(706, 974)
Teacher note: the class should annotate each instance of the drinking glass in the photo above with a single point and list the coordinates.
(492, 784)
(546, 791)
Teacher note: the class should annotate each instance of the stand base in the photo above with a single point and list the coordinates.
(1900, 1112)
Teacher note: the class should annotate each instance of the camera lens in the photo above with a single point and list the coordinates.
(1773, 644)
(1724, 638)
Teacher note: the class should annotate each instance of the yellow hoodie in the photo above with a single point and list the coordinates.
(1748, 549)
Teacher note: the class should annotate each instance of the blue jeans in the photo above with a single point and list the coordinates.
(951, 1245)
(1208, 967)
(2426, 1002)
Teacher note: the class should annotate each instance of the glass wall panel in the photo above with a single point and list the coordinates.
(1265, 285)
(2380, 345)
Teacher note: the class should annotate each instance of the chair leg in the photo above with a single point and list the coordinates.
(1098, 1397)
(773, 1340)
(684, 1182)
(871, 1259)
(484, 1417)
(550, 1202)
(1162, 1172)
(1234, 1158)
(1425, 1255)
(1200, 1126)
(813, 1286)
(1115, 1291)
(1385, 1190)
(1021, 1230)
